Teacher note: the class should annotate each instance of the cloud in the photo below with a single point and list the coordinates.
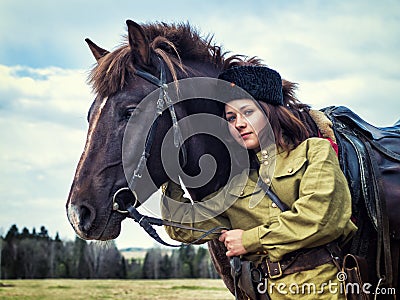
(51, 95)
(43, 116)
(318, 43)
(340, 53)
(306, 39)
(371, 97)
(49, 33)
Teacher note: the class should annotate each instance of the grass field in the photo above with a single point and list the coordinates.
(60, 289)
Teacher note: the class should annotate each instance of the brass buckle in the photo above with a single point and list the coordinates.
(277, 268)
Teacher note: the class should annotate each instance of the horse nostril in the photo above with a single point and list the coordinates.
(87, 215)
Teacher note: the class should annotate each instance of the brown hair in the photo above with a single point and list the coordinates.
(288, 130)
(288, 127)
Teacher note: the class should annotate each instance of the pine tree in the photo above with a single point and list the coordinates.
(10, 253)
(80, 265)
(165, 267)
(152, 263)
(134, 269)
(187, 254)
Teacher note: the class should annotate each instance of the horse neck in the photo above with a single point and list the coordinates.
(201, 69)
(199, 145)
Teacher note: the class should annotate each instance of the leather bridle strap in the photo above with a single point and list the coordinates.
(131, 211)
(163, 100)
(147, 222)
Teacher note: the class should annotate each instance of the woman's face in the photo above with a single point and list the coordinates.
(246, 120)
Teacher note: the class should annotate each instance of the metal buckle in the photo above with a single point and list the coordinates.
(276, 269)
(256, 275)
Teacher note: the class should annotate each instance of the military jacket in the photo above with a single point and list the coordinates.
(308, 179)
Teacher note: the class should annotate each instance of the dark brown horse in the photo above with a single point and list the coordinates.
(120, 91)
(100, 172)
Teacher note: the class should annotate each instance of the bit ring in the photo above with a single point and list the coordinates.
(115, 205)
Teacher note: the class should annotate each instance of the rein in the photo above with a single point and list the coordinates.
(145, 221)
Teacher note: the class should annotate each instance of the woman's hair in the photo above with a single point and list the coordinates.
(290, 127)
(291, 122)
(288, 130)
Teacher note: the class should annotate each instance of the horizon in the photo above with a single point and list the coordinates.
(339, 53)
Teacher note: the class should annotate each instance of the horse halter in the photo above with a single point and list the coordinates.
(145, 221)
(163, 101)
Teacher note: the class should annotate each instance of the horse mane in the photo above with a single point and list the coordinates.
(174, 43)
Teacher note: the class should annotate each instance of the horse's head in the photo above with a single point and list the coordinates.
(119, 94)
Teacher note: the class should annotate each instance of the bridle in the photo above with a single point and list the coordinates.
(145, 221)
(163, 101)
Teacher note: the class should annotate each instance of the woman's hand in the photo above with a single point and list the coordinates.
(233, 242)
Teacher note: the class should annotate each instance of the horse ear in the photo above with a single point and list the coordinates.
(138, 41)
(96, 50)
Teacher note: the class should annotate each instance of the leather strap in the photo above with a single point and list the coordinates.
(357, 263)
(297, 261)
(146, 223)
(356, 269)
(383, 243)
(274, 198)
(236, 272)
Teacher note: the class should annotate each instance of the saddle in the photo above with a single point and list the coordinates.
(370, 159)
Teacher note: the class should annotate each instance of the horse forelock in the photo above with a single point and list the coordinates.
(174, 43)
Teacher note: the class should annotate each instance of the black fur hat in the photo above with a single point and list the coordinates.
(263, 83)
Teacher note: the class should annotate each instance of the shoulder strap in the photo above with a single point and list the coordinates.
(282, 206)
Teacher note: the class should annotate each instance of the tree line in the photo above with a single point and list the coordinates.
(35, 255)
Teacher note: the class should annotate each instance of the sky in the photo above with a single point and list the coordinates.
(339, 53)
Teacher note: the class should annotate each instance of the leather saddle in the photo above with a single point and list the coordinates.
(370, 159)
(355, 136)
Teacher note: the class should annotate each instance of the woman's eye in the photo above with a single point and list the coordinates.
(248, 112)
(231, 119)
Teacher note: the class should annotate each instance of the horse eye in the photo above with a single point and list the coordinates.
(129, 112)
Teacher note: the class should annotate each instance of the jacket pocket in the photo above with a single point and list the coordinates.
(287, 179)
(291, 168)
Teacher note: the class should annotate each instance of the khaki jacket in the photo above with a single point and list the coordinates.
(309, 180)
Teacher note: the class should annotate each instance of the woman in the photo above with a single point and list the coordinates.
(294, 247)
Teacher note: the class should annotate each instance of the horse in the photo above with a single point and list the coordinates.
(121, 79)
(99, 174)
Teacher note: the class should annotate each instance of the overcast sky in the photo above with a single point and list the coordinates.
(339, 52)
